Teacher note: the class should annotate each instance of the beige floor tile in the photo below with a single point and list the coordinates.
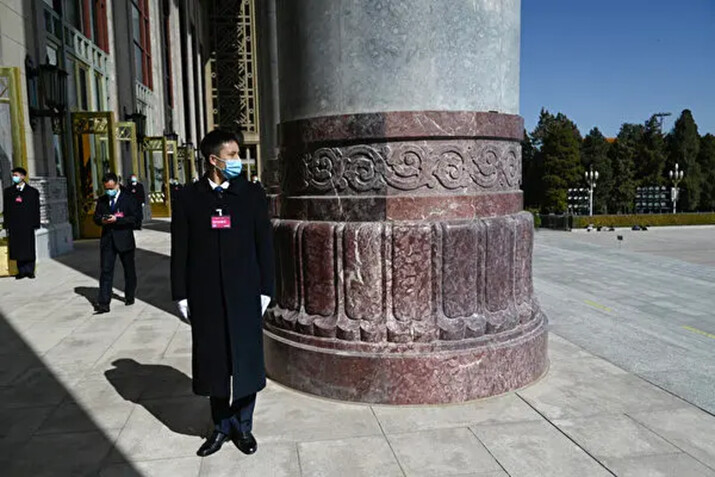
(354, 457)
(441, 452)
(537, 449)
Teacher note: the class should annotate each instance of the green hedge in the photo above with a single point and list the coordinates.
(650, 220)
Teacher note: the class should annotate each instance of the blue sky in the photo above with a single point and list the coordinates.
(606, 62)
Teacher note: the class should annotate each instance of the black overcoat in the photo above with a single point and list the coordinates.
(137, 191)
(222, 273)
(21, 216)
(121, 233)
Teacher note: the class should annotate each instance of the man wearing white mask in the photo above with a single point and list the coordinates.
(21, 219)
(222, 277)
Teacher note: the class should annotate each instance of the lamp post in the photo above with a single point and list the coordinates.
(676, 176)
(591, 178)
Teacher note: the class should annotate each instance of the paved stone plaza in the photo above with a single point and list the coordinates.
(628, 393)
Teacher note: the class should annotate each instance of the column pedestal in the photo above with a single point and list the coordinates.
(404, 259)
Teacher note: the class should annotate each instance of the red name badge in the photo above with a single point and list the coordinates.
(221, 222)
(18, 199)
(119, 215)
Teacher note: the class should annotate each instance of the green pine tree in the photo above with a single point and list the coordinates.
(623, 153)
(684, 146)
(706, 161)
(530, 173)
(594, 154)
(561, 152)
(650, 155)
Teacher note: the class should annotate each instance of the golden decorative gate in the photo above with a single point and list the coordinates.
(94, 137)
(157, 175)
(11, 94)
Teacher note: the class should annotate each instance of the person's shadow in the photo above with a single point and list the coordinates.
(90, 293)
(153, 386)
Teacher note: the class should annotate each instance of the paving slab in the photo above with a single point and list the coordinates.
(286, 416)
(184, 467)
(357, 456)
(537, 449)
(614, 436)
(65, 454)
(690, 429)
(441, 452)
(667, 465)
(401, 419)
(272, 459)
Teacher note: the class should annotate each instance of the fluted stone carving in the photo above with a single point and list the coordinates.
(404, 282)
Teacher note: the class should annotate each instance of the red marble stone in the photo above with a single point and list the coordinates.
(403, 124)
(417, 377)
(404, 260)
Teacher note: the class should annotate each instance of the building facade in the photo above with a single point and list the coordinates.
(141, 82)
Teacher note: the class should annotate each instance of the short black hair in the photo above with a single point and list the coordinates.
(110, 177)
(21, 170)
(212, 143)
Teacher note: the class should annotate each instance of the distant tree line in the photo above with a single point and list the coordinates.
(555, 157)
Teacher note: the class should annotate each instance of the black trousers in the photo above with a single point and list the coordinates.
(25, 267)
(241, 408)
(108, 256)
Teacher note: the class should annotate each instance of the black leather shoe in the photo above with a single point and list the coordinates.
(128, 301)
(31, 276)
(213, 444)
(19, 277)
(99, 309)
(245, 442)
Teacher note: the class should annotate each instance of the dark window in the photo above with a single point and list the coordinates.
(142, 45)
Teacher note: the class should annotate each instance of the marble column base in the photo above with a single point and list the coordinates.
(396, 374)
(403, 260)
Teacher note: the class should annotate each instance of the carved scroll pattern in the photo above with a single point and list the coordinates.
(435, 165)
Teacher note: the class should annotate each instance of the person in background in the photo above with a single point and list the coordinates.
(222, 278)
(136, 189)
(21, 219)
(116, 212)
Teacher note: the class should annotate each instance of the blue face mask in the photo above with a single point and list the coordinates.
(16, 179)
(111, 192)
(233, 168)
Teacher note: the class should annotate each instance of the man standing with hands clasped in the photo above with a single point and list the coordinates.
(222, 277)
(22, 218)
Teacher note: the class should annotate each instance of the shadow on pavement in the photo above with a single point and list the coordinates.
(30, 393)
(153, 270)
(160, 382)
(90, 293)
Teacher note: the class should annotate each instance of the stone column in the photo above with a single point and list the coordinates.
(404, 257)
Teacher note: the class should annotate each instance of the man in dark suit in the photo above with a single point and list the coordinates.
(116, 212)
(222, 277)
(136, 189)
(21, 219)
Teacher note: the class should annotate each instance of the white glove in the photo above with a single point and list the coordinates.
(184, 309)
(265, 301)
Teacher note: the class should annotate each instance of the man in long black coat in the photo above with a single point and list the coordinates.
(222, 276)
(116, 212)
(136, 189)
(21, 217)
